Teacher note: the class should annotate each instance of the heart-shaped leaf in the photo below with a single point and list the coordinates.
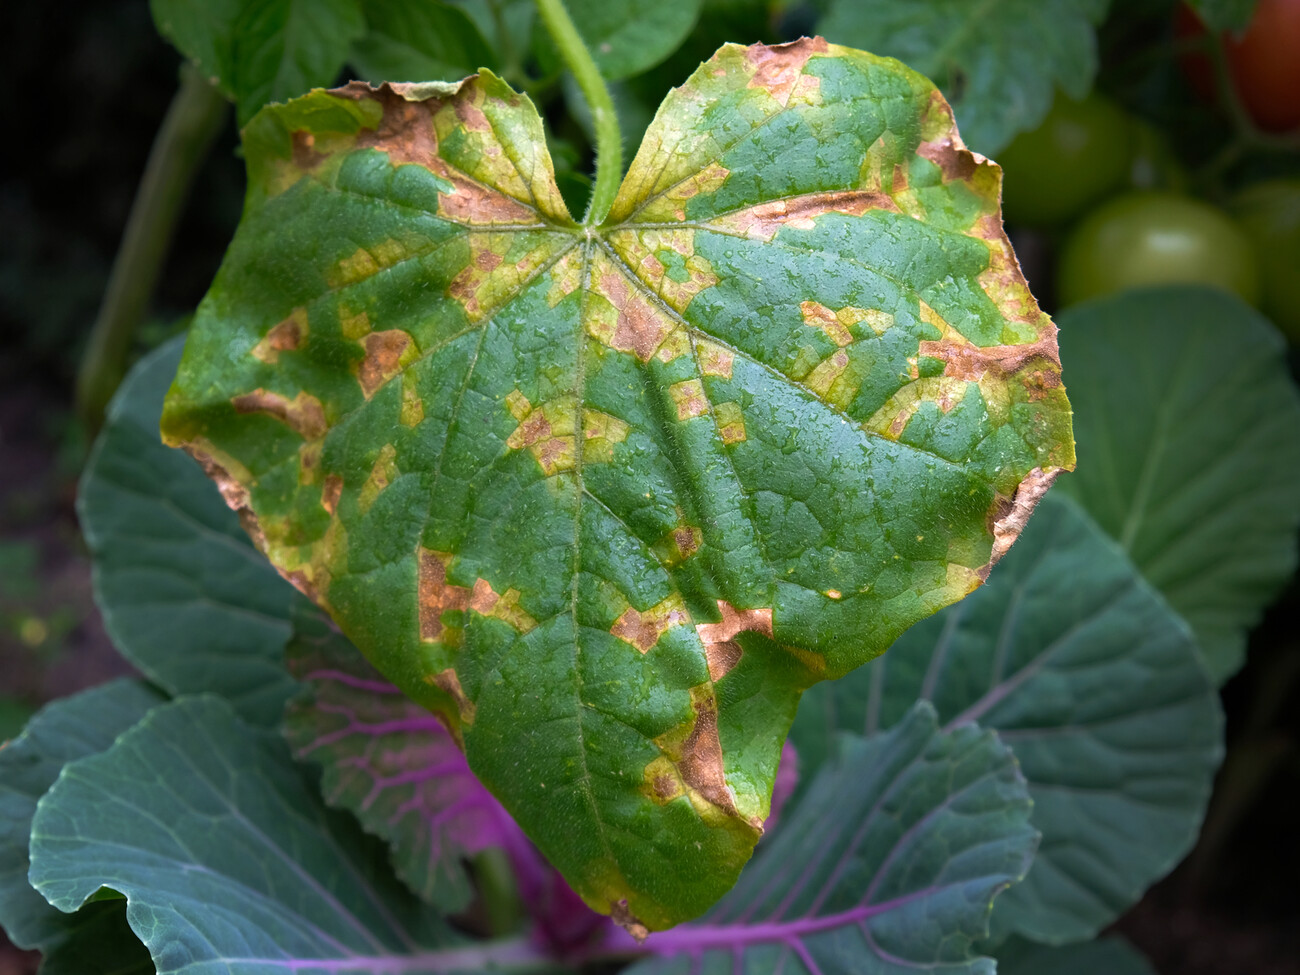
(608, 498)
(1094, 683)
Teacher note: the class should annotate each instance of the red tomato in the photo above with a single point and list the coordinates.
(1264, 63)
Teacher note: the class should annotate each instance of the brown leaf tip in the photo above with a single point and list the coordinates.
(628, 921)
(1013, 516)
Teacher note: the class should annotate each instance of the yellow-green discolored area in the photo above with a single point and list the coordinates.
(609, 499)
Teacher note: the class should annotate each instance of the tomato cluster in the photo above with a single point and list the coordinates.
(1113, 193)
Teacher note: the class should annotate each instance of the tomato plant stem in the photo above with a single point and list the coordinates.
(193, 120)
(609, 140)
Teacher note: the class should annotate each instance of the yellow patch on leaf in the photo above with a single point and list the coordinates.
(303, 414)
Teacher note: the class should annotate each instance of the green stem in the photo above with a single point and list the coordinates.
(194, 118)
(609, 140)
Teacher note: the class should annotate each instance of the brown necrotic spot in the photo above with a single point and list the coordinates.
(486, 601)
(383, 359)
(285, 336)
(629, 922)
(779, 69)
(406, 132)
(330, 493)
(689, 399)
(305, 155)
(701, 764)
(720, 648)
(762, 222)
(448, 682)
(436, 595)
(1011, 515)
(714, 360)
(640, 327)
(643, 629)
(963, 360)
(303, 414)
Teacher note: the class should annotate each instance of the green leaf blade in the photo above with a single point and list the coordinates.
(1096, 685)
(608, 499)
(1193, 459)
(63, 732)
(171, 563)
(235, 866)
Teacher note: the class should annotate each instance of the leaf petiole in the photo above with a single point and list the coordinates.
(609, 140)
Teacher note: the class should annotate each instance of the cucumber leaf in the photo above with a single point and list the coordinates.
(607, 499)
(1094, 683)
(1192, 449)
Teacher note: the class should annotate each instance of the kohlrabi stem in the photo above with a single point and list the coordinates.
(609, 141)
(194, 118)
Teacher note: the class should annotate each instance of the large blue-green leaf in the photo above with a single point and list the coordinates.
(889, 864)
(185, 596)
(63, 732)
(1189, 426)
(1094, 682)
(998, 61)
(230, 863)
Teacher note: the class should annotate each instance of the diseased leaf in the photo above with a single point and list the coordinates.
(1111, 955)
(249, 874)
(998, 61)
(1097, 686)
(398, 770)
(607, 499)
(63, 732)
(1225, 14)
(1193, 457)
(284, 48)
(418, 40)
(889, 864)
(625, 37)
(184, 595)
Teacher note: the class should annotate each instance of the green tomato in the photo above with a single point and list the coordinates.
(1155, 238)
(1269, 212)
(1081, 152)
